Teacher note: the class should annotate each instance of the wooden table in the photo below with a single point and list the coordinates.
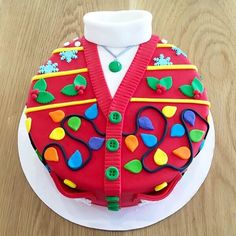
(206, 29)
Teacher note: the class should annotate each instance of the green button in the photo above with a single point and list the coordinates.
(112, 199)
(112, 144)
(112, 173)
(113, 206)
(115, 117)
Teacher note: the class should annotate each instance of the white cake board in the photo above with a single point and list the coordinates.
(81, 212)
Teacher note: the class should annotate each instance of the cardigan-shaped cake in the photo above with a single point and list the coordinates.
(117, 151)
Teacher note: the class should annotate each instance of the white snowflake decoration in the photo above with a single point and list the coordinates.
(178, 51)
(69, 55)
(48, 68)
(162, 61)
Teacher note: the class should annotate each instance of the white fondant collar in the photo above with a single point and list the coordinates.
(118, 28)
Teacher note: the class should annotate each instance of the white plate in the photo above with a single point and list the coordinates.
(81, 212)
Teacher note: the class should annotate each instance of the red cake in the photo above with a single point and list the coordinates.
(117, 151)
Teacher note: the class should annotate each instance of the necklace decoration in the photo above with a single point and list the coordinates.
(115, 65)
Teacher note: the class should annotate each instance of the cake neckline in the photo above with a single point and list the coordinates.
(129, 82)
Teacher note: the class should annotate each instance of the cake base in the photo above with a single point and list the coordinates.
(81, 212)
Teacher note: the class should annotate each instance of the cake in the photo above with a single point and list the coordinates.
(117, 151)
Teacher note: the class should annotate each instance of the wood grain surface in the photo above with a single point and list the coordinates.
(206, 29)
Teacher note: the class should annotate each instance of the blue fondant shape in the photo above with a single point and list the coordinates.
(189, 117)
(96, 143)
(202, 145)
(75, 161)
(92, 112)
(149, 140)
(177, 130)
(145, 123)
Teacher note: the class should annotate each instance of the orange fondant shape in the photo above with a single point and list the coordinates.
(182, 152)
(57, 116)
(51, 154)
(131, 142)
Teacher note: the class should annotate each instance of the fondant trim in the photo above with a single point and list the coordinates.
(173, 67)
(77, 71)
(61, 73)
(171, 100)
(67, 49)
(133, 99)
(57, 105)
(118, 28)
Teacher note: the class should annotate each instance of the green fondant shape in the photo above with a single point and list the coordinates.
(152, 82)
(69, 90)
(44, 97)
(80, 80)
(134, 166)
(197, 85)
(41, 85)
(187, 90)
(196, 135)
(166, 82)
(74, 123)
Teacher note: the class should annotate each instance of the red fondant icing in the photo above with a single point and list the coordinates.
(90, 180)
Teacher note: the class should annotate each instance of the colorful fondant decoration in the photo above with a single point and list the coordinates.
(77, 88)
(209, 118)
(51, 154)
(196, 135)
(134, 166)
(164, 41)
(74, 123)
(131, 142)
(66, 44)
(57, 116)
(149, 140)
(28, 123)
(69, 183)
(161, 186)
(194, 90)
(145, 123)
(182, 152)
(77, 44)
(48, 68)
(95, 143)
(169, 111)
(178, 51)
(202, 145)
(40, 94)
(189, 117)
(68, 55)
(92, 112)
(57, 134)
(160, 157)
(162, 60)
(39, 155)
(177, 130)
(75, 161)
(160, 85)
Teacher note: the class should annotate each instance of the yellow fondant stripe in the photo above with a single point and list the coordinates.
(59, 105)
(67, 49)
(171, 100)
(162, 45)
(60, 73)
(173, 67)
